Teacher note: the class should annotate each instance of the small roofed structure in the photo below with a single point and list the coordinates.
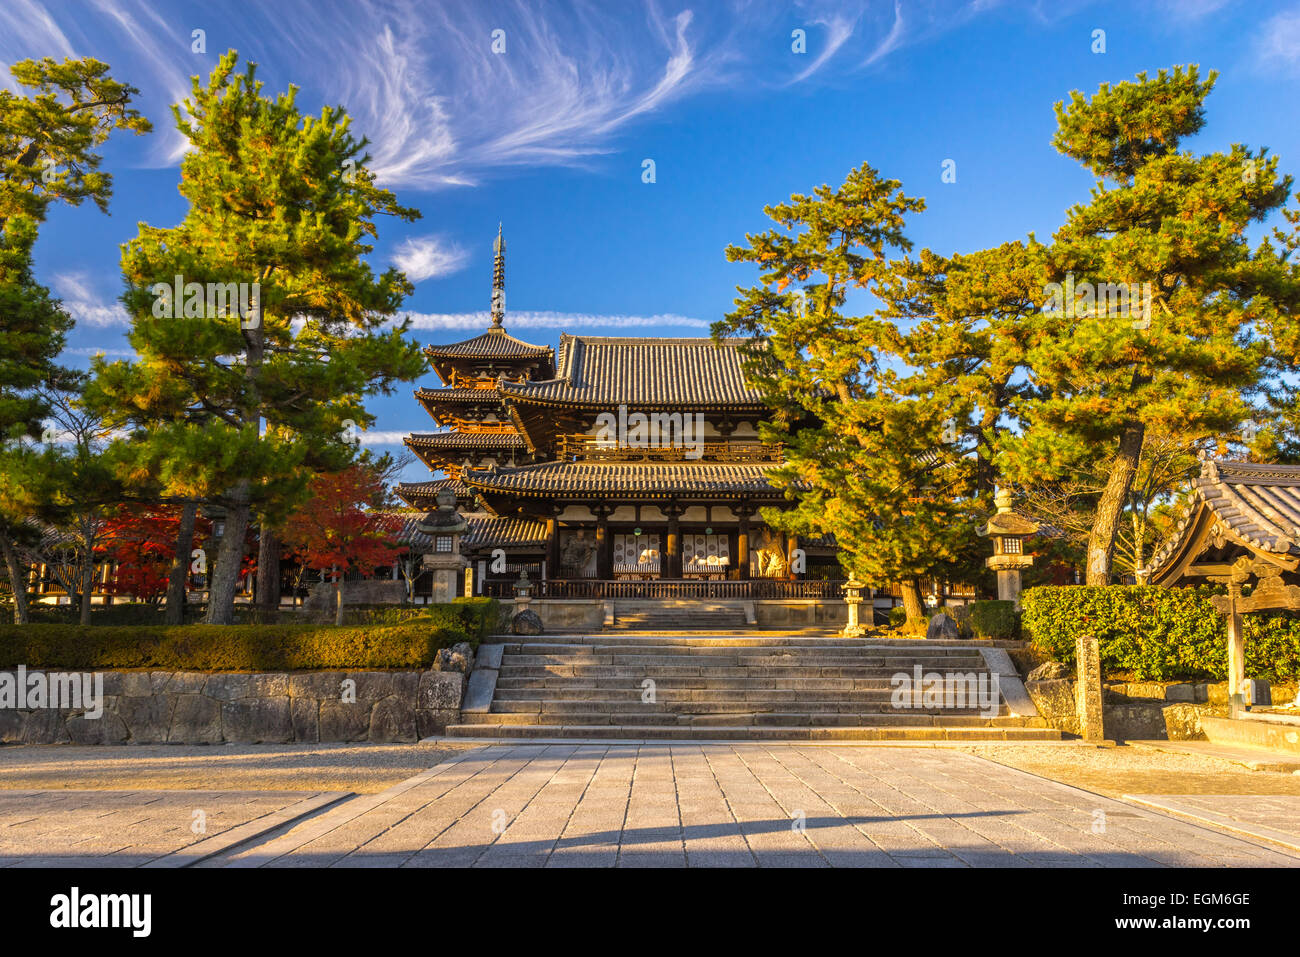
(1237, 510)
(1242, 530)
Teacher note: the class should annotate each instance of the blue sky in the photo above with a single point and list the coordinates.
(550, 135)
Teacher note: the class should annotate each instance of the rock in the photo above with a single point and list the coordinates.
(459, 657)
(434, 723)
(1056, 703)
(344, 722)
(258, 720)
(146, 718)
(526, 623)
(942, 625)
(393, 719)
(1183, 721)
(196, 719)
(441, 691)
(1050, 671)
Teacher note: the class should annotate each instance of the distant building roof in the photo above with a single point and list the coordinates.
(424, 494)
(609, 371)
(487, 531)
(1255, 506)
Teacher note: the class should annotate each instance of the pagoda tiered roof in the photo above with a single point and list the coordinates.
(608, 371)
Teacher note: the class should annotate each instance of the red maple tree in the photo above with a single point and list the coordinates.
(336, 532)
(140, 544)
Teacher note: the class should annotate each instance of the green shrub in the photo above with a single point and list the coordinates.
(227, 647)
(1158, 634)
(897, 617)
(993, 619)
(482, 616)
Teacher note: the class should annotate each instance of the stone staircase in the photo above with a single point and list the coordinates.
(724, 687)
(697, 616)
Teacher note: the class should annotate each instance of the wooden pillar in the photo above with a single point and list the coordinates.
(672, 557)
(1236, 656)
(604, 544)
(742, 542)
(553, 543)
(791, 546)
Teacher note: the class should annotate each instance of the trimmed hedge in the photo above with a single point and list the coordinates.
(227, 647)
(1158, 634)
(993, 619)
(477, 616)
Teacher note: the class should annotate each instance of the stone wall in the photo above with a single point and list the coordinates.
(1150, 711)
(164, 707)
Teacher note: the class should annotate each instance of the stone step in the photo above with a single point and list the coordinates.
(797, 682)
(752, 639)
(747, 718)
(640, 672)
(722, 645)
(754, 732)
(801, 658)
(870, 700)
(703, 706)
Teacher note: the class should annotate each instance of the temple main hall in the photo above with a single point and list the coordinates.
(613, 467)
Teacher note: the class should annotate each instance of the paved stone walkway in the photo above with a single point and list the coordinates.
(739, 805)
(1274, 818)
(138, 828)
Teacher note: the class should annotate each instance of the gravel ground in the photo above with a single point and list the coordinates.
(363, 768)
(1126, 770)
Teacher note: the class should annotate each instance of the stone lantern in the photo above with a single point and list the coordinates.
(445, 526)
(1008, 531)
(853, 598)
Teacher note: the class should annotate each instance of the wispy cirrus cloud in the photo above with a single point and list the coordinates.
(447, 92)
(1278, 42)
(427, 257)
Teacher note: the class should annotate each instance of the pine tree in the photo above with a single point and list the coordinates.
(48, 138)
(232, 400)
(1148, 327)
(860, 443)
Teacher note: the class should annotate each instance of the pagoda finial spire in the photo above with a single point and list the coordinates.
(498, 281)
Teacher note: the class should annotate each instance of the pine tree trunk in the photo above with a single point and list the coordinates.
(1101, 542)
(268, 569)
(87, 578)
(225, 571)
(175, 613)
(912, 606)
(17, 580)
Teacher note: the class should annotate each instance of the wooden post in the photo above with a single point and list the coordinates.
(604, 544)
(672, 557)
(742, 541)
(1236, 656)
(553, 544)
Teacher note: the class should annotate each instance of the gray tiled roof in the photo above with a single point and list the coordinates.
(1258, 504)
(606, 371)
(421, 494)
(465, 440)
(494, 344)
(652, 479)
(487, 530)
(458, 394)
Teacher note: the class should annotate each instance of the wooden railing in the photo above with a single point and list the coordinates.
(586, 448)
(596, 588)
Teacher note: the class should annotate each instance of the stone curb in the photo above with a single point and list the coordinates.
(1009, 683)
(1216, 821)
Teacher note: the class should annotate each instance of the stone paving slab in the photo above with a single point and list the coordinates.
(1274, 817)
(621, 804)
(140, 828)
(1254, 758)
